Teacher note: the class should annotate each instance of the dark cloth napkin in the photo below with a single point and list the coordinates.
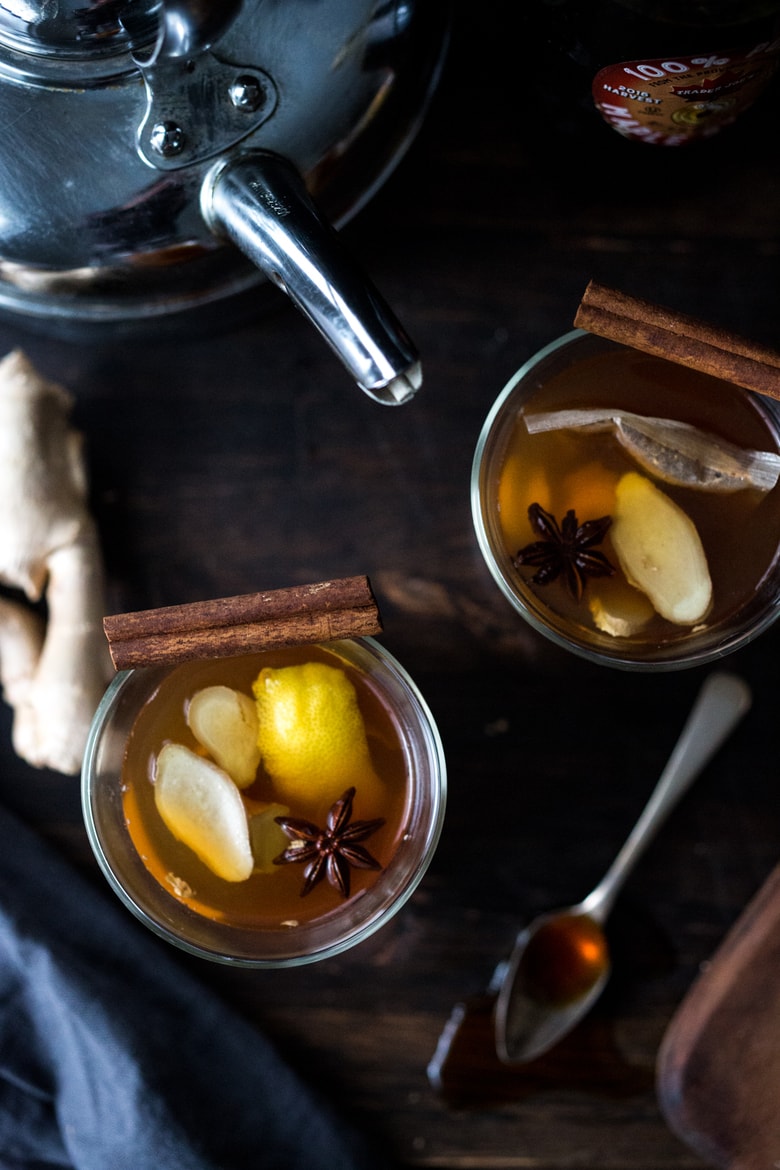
(113, 1057)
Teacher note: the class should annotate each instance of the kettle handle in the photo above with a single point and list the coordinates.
(187, 28)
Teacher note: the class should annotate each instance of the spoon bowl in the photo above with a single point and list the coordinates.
(560, 962)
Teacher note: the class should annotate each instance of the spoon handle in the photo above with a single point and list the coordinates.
(722, 701)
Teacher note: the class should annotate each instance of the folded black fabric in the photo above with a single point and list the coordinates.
(112, 1057)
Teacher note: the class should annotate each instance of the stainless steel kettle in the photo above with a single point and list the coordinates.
(159, 155)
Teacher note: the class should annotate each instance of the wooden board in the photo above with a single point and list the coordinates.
(718, 1072)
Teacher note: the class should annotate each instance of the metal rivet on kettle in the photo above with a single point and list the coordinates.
(247, 93)
(167, 138)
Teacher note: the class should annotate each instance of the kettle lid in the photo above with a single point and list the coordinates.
(98, 28)
(66, 27)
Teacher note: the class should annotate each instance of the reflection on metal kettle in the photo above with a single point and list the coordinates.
(163, 155)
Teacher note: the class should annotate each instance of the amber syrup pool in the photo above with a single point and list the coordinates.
(575, 469)
(266, 899)
(564, 959)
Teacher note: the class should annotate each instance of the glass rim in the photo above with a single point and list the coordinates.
(533, 612)
(386, 907)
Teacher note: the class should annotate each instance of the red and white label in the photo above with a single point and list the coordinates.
(675, 101)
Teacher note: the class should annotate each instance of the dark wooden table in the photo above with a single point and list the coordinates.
(244, 459)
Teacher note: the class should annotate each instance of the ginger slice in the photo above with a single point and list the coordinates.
(224, 722)
(267, 838)
(660, 551)
(203, 809)
(619, 609)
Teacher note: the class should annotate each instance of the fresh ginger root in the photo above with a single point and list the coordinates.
(53, 671)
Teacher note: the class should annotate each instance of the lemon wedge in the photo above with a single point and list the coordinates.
(202, 807)
(224, 722)
(311, 734)
(660, 550)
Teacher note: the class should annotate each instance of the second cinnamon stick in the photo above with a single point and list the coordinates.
(679, 338)
(322, 612)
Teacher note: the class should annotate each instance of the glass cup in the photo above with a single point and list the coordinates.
(703, 595)
(232, 939)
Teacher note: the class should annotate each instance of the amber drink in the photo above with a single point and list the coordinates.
(628, 506)
(268, 809)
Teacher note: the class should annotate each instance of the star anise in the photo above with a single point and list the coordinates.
(565, 549)
(329, 852)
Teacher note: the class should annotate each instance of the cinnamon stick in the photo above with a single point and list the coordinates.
(679, 338)
(227, 626)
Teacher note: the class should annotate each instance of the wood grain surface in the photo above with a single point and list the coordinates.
(241, 458)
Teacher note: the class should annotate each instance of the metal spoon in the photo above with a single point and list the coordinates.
(560, 962)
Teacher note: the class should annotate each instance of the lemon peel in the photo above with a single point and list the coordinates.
(203, 809)
(224, 722)
(311, 734)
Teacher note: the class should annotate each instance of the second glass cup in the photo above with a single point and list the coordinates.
(351, 753)
(628, 507)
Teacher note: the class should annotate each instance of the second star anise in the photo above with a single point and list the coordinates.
(329, 852)
(565, 549)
